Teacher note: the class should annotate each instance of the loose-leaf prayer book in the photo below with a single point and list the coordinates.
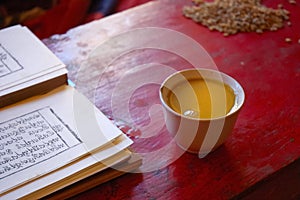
(51, 136)
(27, 66)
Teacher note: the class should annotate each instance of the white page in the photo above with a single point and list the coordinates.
(23, 55)
(22, 85)
(65, 172)
(34, 78)
(63, 119)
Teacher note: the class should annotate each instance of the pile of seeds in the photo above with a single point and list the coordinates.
(233, 16)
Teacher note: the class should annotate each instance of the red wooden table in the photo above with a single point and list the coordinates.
(260, 160)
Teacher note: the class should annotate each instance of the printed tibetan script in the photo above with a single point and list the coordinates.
(32, 138)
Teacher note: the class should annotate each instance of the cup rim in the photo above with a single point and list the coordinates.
(239, 106)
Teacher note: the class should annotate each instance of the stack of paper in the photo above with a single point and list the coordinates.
(27, 66)
(53, 140)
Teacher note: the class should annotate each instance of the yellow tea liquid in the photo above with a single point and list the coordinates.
(200, 98)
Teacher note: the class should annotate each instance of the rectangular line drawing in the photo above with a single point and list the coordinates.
(8, 63)
(31, 139)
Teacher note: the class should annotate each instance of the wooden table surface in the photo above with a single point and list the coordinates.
(260, 160)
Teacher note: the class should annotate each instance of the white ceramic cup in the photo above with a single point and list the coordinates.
(200, 135)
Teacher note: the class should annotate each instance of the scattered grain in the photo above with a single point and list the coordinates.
(292, 2)
(233, 16)
(288, 40)
(197, 2)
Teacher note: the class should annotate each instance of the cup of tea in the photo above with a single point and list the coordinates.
(200, 108)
